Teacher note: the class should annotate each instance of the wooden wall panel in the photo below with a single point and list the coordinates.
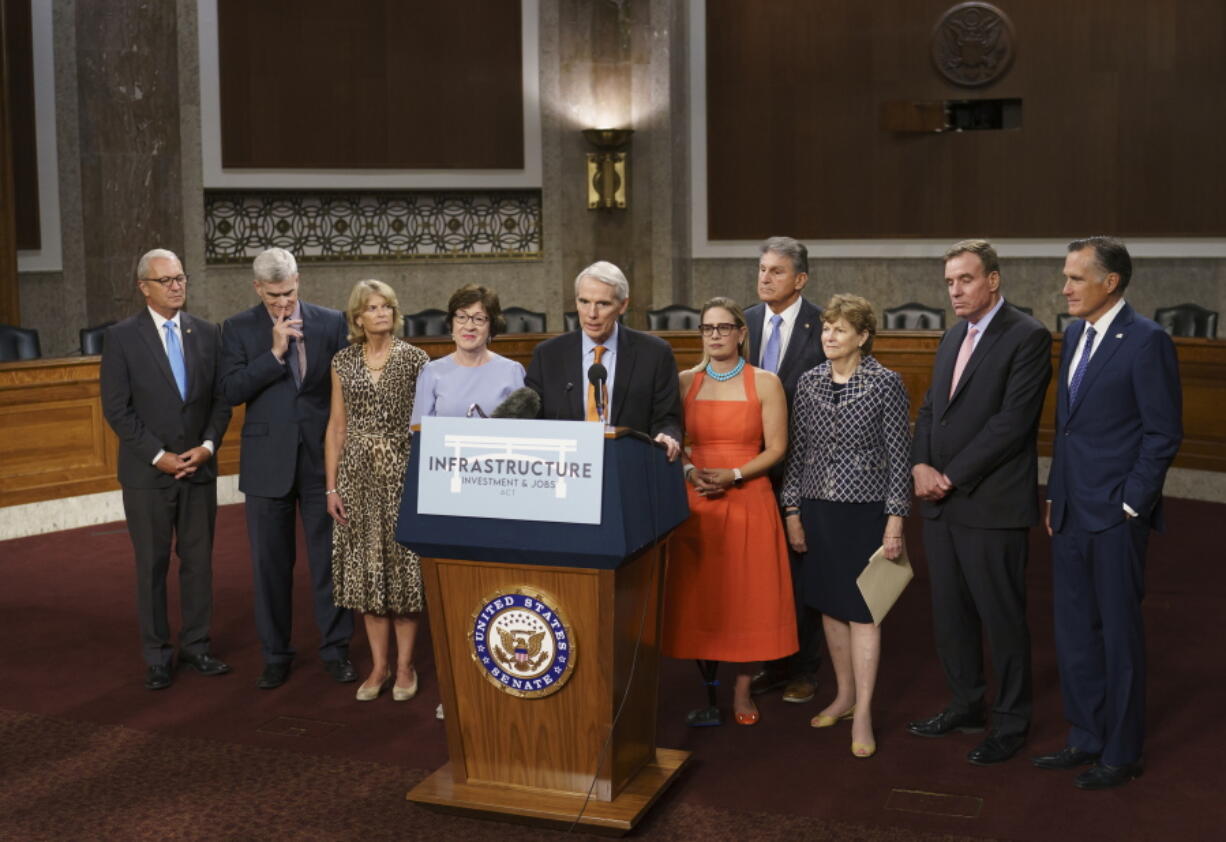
(321, 84)
(54, 442)
(1120, 126)
(19, 96)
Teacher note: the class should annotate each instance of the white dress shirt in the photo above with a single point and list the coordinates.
(158, 321)
(790, 315)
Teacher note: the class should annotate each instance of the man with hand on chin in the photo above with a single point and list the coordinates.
(277, 360)
(157, 377)
(640, 389)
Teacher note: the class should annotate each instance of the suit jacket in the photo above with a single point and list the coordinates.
(279, 414)
(645, 392)
(1115, 444)
(854, 450)
(141, 400)
(984, 436)
(804, 348)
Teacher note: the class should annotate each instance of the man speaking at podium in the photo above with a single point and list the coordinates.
(638, 388)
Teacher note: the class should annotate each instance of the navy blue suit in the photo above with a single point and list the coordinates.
(1113, 446)
(283, 466)
(803, 352)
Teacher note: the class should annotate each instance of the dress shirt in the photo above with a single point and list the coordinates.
(608, 360)
(790, 315)
(158, 322)
(982, 324)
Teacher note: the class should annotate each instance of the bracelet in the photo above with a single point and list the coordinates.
(329, 491)
(893, 537)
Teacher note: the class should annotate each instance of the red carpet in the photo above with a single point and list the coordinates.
(72, 659)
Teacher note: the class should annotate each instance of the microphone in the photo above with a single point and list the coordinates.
(522, 403)
(597, 374)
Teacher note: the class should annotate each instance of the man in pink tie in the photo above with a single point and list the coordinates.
(974, 458)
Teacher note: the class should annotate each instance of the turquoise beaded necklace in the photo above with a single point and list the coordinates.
(715, 375)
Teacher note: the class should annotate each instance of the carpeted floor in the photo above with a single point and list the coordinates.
(87, 753)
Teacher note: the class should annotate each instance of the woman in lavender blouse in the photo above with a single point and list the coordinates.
(472, 374)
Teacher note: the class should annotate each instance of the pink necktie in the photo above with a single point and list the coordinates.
(964, 356)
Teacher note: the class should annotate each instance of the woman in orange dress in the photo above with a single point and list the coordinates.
(729, 588)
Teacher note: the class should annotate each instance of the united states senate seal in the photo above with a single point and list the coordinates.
(521, 642)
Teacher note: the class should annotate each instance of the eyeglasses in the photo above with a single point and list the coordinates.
(181, 280)
(722, 329)
(478, 319)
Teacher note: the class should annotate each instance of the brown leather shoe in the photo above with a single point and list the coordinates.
(801, 689)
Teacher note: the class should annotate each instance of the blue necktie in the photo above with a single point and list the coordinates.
(770, 357)
(175, 351)
(1082, 365)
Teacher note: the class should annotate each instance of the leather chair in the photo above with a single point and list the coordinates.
(520, 320)
(1187, 320)
(570, 320)
(18, 343)
(1062, 321)
(426, 323)
(673, 317)
(913, 316)
(91, 339)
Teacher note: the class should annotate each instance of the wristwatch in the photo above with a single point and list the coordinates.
(737, 479)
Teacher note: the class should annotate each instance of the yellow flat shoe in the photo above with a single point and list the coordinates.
(369, 694)
(403, 694)
(823, 720)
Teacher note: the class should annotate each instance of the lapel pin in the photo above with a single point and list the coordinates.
(1119, 336)
(806, 325)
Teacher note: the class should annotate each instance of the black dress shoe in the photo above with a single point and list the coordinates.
(274, 675)
(205, 664)
(341, 670)
(946, 721)
(704, 717)
(1102, 776)
(767, 680)
(157, 677)
(995, 749)
(1066, 758)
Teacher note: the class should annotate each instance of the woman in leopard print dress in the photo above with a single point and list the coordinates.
(366, 451)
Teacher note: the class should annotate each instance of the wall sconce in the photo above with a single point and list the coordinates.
(606, 169)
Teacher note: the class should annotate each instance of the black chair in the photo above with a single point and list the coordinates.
(673, 317)
(570, 320)
(91, 339)
(1062, 321)
(1187, 320)
(426, 323)
(18, 343)
(520, 320)
(913, 316)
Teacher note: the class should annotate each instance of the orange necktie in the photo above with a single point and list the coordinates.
(592, 414)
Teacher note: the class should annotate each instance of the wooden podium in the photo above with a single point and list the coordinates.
(585, 751)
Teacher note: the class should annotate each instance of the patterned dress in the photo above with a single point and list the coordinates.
(370, 571)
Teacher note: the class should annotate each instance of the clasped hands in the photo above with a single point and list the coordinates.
(180, 465)
(711, 482)
(931, 484)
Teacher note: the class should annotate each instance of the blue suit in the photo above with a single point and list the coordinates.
(283, 467)
(1113, 446)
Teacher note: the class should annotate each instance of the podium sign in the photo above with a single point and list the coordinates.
(511, 469)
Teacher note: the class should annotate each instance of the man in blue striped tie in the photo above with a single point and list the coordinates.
(785, 333)
(157, 383)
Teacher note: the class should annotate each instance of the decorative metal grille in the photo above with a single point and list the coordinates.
(326, 226)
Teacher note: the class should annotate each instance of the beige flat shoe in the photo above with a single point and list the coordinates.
(367, 693)
(403, 694)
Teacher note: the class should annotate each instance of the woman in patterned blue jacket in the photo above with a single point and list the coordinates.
(846, 490)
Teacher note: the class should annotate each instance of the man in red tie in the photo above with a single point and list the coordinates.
(974, 458)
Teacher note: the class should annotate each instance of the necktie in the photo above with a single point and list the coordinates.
(295, 364)
(592, 414)
(174, 350)
(1082, 364)
(964, 356)
(770, 355)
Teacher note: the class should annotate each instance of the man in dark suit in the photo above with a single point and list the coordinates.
(641, 387)
(1118, 427)
(157, 382)
(975, 464)
(792, 327)
(277, 360)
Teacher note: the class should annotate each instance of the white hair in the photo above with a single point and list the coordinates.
(142, 265)
(274, 265)
(606, 273)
